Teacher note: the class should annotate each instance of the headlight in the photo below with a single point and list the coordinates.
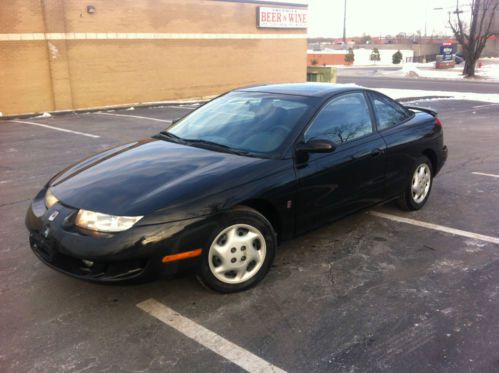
(96, 221)
(50, 199)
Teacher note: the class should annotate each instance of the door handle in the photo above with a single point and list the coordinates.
(376, 152)
(372, 153)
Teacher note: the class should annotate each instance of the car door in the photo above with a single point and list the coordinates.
(393, 122)
(351, 177)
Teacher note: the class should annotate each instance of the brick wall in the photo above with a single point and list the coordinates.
(321, 59)
(135, 51)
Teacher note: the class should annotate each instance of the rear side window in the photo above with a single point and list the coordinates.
(388, 113)
(343, 119)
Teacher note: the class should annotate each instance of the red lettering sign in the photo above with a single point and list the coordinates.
(282, 17)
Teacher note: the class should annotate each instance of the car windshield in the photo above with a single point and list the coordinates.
(246, 122)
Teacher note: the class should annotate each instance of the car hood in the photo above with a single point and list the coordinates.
(142, 177)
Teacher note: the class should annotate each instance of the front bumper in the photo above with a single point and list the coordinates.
(130, 256)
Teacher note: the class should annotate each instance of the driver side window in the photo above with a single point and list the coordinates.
(343, 119)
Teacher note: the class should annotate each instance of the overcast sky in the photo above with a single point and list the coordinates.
(378, 17)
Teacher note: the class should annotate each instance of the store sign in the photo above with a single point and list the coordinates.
(281, 17)
(446, 50)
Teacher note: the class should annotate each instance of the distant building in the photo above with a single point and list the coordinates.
(492, 47)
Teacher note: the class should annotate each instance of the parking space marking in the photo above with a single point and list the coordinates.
(436, 227)
(137, 116)
(484, 174)
(207, 338)
(184, 107)
(482, 106)
(56, 128)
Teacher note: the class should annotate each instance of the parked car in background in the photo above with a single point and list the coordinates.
(218, 190)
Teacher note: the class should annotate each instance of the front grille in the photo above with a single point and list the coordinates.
(48, 251)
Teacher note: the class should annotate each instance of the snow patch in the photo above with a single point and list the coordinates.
(415, 93)
(409, 70)
(486, 69)
(44, 115)
(54, 52)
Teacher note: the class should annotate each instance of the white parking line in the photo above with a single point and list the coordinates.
(184, 107)
(481, 106)
(484, 174)
(207, 338)
(436, 227)
(137, 116)
(56, 128)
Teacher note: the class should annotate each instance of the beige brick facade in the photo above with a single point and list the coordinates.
(56, 56)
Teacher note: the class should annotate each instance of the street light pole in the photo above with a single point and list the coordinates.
(345, 23)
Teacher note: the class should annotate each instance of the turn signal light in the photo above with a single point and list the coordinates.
(181, 256)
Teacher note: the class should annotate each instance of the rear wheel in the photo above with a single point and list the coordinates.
(418, 187)
(241, 252)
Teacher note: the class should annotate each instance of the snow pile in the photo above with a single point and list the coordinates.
(492, 98)
(44, 115)
(489, 69)
(410, 70)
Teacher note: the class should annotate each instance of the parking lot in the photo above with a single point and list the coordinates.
(371, 292)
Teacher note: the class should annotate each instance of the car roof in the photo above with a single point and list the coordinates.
(302, 89)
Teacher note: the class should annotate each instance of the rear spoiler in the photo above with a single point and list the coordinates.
(423, 109)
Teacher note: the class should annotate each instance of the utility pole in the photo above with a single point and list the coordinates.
(345, 23)
(425, 19)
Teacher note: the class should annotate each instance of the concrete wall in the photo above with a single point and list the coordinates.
(362, 56)
(418, 49)
(56, 56)
(491, 47)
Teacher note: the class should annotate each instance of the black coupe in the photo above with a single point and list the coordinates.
(218, 190)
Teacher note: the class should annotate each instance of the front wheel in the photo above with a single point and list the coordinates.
(241, 252)
(417, 190)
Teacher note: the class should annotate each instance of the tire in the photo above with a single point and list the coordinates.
(418, 186)
(240, 253)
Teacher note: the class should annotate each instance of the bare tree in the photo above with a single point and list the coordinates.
(474, 35)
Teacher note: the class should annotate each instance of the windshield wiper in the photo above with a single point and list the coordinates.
(215, 145)
(171, 136)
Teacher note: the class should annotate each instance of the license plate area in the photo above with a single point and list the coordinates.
(45, 247)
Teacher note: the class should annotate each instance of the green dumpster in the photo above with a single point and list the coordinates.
(323, 74)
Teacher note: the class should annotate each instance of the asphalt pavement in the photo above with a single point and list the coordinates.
(368, 293)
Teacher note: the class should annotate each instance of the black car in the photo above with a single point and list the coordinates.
(218, 190)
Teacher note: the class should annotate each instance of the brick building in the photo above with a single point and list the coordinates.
(492, 46)
(73, 54)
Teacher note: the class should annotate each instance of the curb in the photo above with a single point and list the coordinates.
(200, 100)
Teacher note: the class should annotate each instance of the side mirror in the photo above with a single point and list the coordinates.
(316, 146)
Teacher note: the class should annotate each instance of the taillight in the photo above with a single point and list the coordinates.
(438, 122)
